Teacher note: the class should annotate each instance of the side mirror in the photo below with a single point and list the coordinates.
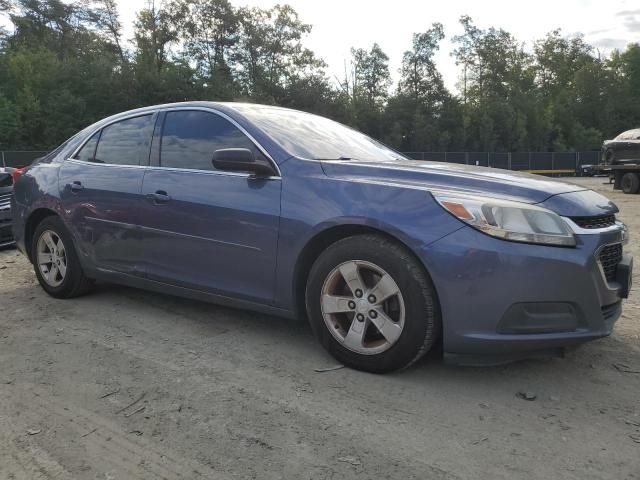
(241, 160)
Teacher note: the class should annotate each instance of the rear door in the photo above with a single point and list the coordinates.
(206, 229)
(100, 189)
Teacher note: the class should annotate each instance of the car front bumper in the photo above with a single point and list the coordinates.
(502, 301)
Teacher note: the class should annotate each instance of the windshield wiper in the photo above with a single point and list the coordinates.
(342, 157)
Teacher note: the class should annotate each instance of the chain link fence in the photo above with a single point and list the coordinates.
(566, 163)
(19, 158)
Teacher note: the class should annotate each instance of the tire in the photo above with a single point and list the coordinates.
(630, 183)
(73, 283)
(412, 316)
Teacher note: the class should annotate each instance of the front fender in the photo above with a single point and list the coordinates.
(313, 203)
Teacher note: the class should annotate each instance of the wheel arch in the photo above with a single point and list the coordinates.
(35, 217)
(324, 239)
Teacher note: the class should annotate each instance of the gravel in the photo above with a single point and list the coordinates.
(126, 384)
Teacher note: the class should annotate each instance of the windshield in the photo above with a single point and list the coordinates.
(316, 138)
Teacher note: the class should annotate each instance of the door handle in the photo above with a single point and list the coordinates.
(75, 186)
(159, 197)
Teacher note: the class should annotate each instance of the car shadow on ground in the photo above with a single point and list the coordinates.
(294, 341)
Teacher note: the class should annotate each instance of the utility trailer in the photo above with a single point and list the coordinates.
(624, 176)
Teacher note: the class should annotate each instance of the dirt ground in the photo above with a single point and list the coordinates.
(125, 384)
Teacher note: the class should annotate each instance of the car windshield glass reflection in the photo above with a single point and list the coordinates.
(316, 138)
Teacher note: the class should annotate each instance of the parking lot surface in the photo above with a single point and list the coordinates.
(125, 384)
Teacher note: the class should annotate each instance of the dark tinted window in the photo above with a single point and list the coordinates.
(88, 151)
(125, 142)
(189, 139)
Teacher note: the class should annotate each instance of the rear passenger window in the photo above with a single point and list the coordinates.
(190, 137)
(88, 151)
(126, 142)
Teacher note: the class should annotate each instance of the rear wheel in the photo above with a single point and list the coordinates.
(372, 305)
(55, 260)
(630, 183)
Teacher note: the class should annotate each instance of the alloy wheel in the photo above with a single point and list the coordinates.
(52, 258)
(362, 307)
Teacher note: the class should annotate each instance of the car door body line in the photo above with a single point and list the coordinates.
(197, 237)
(128, 226)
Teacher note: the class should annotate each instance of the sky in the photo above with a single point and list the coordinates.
(339, 25)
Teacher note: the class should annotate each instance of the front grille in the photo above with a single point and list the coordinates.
(5, 202)
(609, 258)
(601, 221)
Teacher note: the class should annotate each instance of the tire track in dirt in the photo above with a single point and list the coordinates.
(100, 442)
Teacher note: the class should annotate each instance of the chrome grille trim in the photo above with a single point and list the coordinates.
(590, 223)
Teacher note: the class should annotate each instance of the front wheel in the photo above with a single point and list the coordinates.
(372, 305)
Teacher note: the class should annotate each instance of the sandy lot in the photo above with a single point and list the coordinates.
(125, 384)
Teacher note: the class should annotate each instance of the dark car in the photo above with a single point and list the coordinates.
(625, 148)
(6, 191)
(586, 171)
(292, 214)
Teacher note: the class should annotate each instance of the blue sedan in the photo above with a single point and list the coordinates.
(292, 214)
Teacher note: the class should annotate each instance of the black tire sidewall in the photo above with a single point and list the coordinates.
(74, 270)
(422, 320)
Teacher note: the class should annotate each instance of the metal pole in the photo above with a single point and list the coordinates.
(466, 158)
(488, 160)
(445, 156)
(509, 161)
(3, 162)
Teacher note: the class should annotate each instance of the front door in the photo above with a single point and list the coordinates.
(207, 229)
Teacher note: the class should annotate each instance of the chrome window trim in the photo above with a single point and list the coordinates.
(177, 109)
(211, 172)
(98, 164)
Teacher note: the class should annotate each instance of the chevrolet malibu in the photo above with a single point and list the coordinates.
(292, 214)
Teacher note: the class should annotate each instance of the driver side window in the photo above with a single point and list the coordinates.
(189, 138)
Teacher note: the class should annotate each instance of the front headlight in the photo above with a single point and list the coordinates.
(515, 221)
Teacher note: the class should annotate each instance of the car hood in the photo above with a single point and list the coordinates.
(466, 179)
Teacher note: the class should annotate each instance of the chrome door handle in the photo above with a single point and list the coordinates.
(159, 197)
(75, 186)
